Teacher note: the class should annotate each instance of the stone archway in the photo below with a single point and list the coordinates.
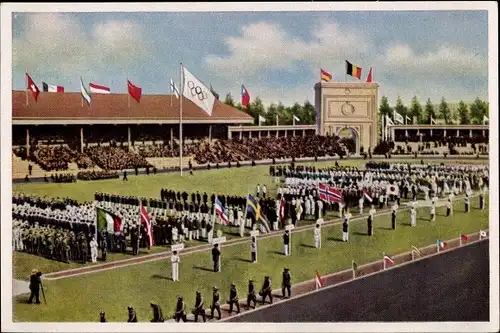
(350, 138)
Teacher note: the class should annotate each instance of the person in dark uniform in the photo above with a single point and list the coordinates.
(34, 286)
(198, 308)
(253, 250)
(132, 317)
(266, 290)
(251, 295)
(215, 303)
(102, 317)
(448, 207)
(83, 250)
(481, 200)
(345, 231)
(393, 219)
(125, 178)
(233, 299)
(180, 310)
(466, 201)
(104, 248)
(370, 225)
(157, 314)
(215, 257)
(286, 242)
(286, 284)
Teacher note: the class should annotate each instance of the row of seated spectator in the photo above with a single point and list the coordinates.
(97, 175)
(166, 150)
(114, 158)
(463, 139)
(56, 158)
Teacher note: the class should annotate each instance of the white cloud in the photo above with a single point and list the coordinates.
(263, 46)
(446, 60)
(60, 43)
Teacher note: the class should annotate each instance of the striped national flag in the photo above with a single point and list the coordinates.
(146, 220)
(84, 92)
(98, 89)
(51, 88)
(319, 281)
(367, 196)
(329, 194)
(325, 76)
(440, 244)
(388, 259)
(220, 211)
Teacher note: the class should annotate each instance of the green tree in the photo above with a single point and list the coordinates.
(257, 109)
(384, 108)
(463, 114)
(478, 110)
(429, 111)
(444, 111)
(401, 108)
(229, 100)
(309, 113)
(271, 113)
(281, 111)
(416, 109)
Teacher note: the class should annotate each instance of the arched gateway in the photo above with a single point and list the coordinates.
(349, 110)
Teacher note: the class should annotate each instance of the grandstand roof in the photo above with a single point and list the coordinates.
(66, 108)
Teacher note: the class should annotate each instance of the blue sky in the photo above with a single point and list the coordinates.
(276, 55)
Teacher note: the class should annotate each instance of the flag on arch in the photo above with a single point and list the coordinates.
(146, 221)
(369, 78)
(318, 280)
(325, 76)
(134, 91)
(31, 86)
(51, 88)
(194, 90)
(353, 70)
(98, 89)
(220, 211)
(245, 96)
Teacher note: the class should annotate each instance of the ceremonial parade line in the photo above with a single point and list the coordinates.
(195, 249)
(310, 284)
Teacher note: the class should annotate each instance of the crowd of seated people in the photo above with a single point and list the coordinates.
(115, 158)
(166, 150)
(97, 175)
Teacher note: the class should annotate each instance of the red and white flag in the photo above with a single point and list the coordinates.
(319, 281)
(146, 220)
(134, 91)
(98, 89)
(31, 86)
(282, 209)
(367, 196)
(52, 88)
(369, 78)
(245, 96)
(388, 260)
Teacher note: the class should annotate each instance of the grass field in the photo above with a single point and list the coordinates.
(81, 298)
(234, 181)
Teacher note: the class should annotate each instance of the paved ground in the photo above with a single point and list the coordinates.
(20, 287)
(452, 286)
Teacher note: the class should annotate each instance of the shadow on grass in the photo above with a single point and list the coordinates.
(203, 268)
(336, 239)
(357, 233)
(384, 228)
(158, 276)
(243, 259)
(307, 245)
(276, 252)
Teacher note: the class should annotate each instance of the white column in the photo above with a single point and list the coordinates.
(458, 133)
(303, 132)
(129, 139)
(210, 133)
(250, 134)
(444, 133)
(286, 133)
(470, 133)
(241, 134)
(81, 140)
(259, 133)
(268, 133)
(171, 138)
(27, 143)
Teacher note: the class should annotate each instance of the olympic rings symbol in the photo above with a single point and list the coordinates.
(196, 91)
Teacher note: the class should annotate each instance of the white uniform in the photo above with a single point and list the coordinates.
(433, 213)
(93, 250)
(413, 216)
(361, 203)
(317, 237)
(176, 259)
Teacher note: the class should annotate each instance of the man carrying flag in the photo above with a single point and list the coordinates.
(253, 207)
(220, 211)
(107, 221)
(146, 221)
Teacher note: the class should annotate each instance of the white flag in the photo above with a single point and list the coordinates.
(173, 88)
(296, 118)
(433, 121)
(194, 90)
(261, 119)
(485, 119)
(388, 121)
(398, 118)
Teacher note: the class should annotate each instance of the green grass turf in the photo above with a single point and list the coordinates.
(234, 181)
(82, 298)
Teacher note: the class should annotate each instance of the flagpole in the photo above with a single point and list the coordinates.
(353, 271)
(460, 237)
(383, 259)
(437, 246)
(180, 118)
(26, 88)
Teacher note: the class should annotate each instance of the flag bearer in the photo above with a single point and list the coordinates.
(413, 216)
(317, 236)
(449, 208)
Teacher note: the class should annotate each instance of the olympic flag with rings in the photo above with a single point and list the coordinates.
(197, 92)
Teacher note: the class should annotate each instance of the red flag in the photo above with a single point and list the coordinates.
(369, 77)
(464, 238)
(31, 86)
(282, 209)
(146, 220)
(245, 96)
(134, 91)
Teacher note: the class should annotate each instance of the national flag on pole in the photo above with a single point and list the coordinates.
(325, 76)
(329, 194)
(220, 211)
(353, 70)
(173, 88)
(388, 121)
(51, 88)
(296, 118)
(98, 89)
(369, 78)
(464, 238)
(261, 119)
(398, 118)
(107, 221)
(440, 244)
(392, 189)
(407, 119)
(388, 260)
(319, 281)
(433, 121)
(253, 207)
(31, 86)
(367, 196)
(84, 92)
(415, 250)
(198, 93)
(134, 91)
(245, 96)
(282, 209)
(146, 221)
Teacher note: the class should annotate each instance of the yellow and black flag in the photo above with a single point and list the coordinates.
(353, 70)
